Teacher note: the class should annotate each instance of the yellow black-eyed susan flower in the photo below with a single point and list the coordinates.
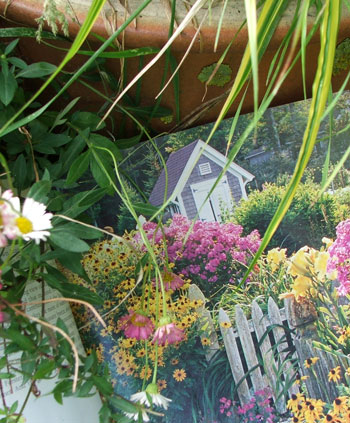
(205, 341)
(334, 375)
(310, 362)
(179, 375)
(225, 325)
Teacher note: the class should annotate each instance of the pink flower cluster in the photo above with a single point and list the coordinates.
(213, 251)
(339, 253)
(225, 406)
(258, 409)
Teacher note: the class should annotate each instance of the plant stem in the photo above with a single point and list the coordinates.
(2, 395)
(24, 402)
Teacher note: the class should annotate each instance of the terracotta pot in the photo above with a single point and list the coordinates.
(151, 29)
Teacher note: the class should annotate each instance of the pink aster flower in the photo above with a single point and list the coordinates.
(167, 332)
(136, 325)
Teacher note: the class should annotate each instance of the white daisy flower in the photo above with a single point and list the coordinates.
(152, 393)
(32, 223)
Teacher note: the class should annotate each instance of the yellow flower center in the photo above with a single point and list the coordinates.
(24, 225)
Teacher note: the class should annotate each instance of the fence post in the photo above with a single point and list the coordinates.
(301, 317)
(206, 322)
(234, 358)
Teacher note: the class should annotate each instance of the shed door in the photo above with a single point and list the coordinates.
(221, 195)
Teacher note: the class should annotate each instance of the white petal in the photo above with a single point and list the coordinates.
(160, 400)
(135, 416)
(140, 397)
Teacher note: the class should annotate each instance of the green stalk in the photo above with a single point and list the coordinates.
(328, 35)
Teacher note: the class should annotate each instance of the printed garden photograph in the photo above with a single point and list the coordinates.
(174, 211)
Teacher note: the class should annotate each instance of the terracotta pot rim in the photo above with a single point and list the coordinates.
(149, 32)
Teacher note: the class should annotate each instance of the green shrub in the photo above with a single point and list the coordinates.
(308, 220)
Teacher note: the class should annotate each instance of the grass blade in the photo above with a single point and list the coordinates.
(9, 126)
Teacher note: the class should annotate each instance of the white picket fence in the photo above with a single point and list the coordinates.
(267, 349)
(270, 365)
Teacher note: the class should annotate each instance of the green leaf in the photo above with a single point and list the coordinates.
(64, 387)
(26, 32)
(37, 70)
(13, 407)
(99, 174)
(78, 167)
(123, 405)
(85, 389)
(221, 77)
(6, 375)
(58, 397)
(67, 241)
(57, 140)
(89, 362)
(72, 261)
(59, 118)
(76, 146)
(70, 290)
(104, 414)
(45, 369)
(46, 175)
(28, 364)
(92, 197)
(10, 47)
(19, 63)
(3, 362)
(100, 141)
(128, 142)
(83, 120)
(145, 209)
(43, 148)
(81, 231)
(21, 340)
(39, 191)
(8, 86)
(77, 204)
(102, 385)
(20, 171)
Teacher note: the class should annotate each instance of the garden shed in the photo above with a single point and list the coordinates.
(192, 171)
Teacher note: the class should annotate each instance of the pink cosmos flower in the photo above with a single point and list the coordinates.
(172, 281)
(167, 332)
(136, 325)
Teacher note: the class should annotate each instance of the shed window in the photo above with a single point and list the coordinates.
(204, 168)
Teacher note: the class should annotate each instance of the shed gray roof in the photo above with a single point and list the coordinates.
(175, 166)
